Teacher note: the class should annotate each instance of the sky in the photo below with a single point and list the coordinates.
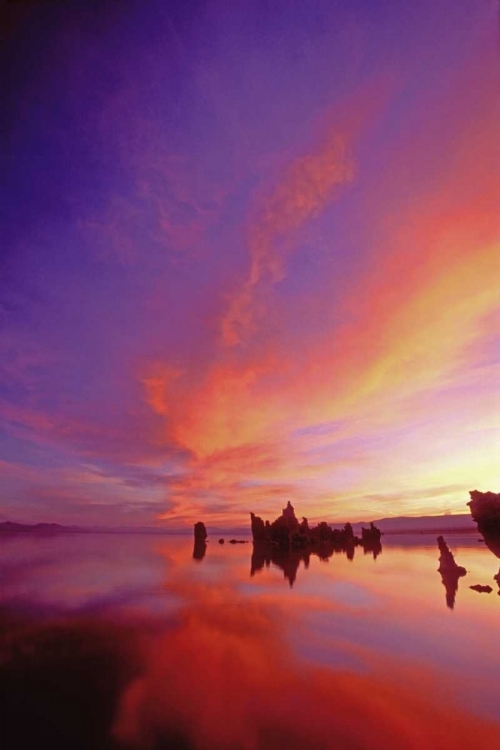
(250, 253)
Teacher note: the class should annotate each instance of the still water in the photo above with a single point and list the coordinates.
(130, 641)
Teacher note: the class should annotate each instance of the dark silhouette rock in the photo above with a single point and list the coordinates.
(485, 510)
(450, 572)
(286, 542)
(481, 589)
(221, 541)
(370, 540)
(199, 549)
(200, 532)
(238, 541)
(492, 541)
(259, 531)
(286, 532)
(370, 535)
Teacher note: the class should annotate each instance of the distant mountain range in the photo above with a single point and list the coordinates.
(15, 528)
(398, 525)
(10, 527)
(424, 524)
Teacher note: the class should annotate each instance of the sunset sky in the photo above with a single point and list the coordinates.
(251, 254)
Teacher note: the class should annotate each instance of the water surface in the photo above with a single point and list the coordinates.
(137, 641)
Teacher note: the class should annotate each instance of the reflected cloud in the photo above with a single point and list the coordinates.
(220, 675)
(221, 669)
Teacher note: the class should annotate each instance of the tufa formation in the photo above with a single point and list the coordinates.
(287, 531)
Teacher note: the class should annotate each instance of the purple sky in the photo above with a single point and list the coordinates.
(250, 253)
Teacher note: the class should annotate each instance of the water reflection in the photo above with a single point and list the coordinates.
(219, 675)
(492, 541)
(199, 550)
(450, 572)
(288, 559)
(374, 546)
(116, 643)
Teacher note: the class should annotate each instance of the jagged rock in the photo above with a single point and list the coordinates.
(372, 534)
(481, 589)
(286, 531)
(200, 532)
(450, 572)
(485, 510)
(259, 529)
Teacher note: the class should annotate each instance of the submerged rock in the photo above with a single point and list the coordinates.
(481, 589)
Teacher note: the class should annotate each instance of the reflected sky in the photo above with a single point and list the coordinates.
(347, 642)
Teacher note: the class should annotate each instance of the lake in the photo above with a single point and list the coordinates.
(140, 641)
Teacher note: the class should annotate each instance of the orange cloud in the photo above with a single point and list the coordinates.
(397, 382)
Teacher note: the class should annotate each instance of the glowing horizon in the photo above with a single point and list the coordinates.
(251, 257)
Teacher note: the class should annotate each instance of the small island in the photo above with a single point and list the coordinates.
(287, 532)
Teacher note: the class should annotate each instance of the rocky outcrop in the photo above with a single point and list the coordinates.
(372, 534)
(370, 540)
(200, 532)
(450, 572)
(288, 532)
(485, 510)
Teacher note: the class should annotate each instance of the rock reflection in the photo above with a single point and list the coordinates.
(492, 541)
(374, 546)
(199, 550)
(450, 572)
(289, 559)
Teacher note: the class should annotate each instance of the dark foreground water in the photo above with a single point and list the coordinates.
(129, 642)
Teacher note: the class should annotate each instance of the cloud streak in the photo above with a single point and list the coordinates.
(302, 192)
